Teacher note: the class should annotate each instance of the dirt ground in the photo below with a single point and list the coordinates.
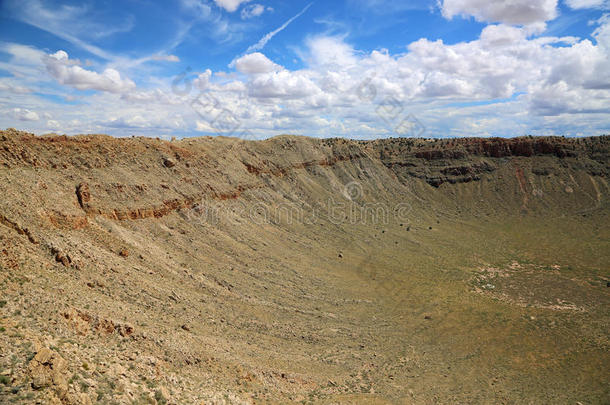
(297, 270)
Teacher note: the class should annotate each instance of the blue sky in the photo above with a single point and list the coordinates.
(353, 68)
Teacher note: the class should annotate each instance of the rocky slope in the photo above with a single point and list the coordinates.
(216, 270)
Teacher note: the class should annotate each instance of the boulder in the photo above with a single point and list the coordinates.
(48, 369)
(83, 194)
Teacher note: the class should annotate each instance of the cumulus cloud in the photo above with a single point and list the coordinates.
(203, 79)
(151, 96)
(501, 35)
(230, 5)
(330, 52)
(505, 82)
(503, 62)
(23, 114)
(255, 63)
(67, 72)
(52, 124)
(514, 12)
(283, 84)
(203, 126)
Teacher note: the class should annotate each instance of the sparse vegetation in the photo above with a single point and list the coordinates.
(161, 400)
(493, 284)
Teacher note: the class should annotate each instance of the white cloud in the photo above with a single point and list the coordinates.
(501, 35)
(330, 52)
(255, 63)
(24, 114)
(283, 84)
(578, 4)
(202, 126)
(151, 96)
(528, 82)
(6, 85)
(52, 124)
(267, 37)
(67, 72)
(514, 12)
(230, 5)
(166, 58)
(67, 22)
(22, 54)
(222, 29)
(202, 80)
(503, 83)
(201, 8)
(251, 11)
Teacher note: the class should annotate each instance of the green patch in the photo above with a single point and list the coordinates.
(84, 387)
(30, 356)
(159, 398)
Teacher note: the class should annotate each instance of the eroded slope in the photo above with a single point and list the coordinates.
(297, 269)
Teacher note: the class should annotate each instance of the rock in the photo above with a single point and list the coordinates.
(83, 194)
(84, 323)
(104, 326)
(124, 252)
(167, 162)
(84, 399)
(340, 255)
(79, 321)
(62, 258)
(48, 369)
(162, 396)
(186, 327)
(44, 356)
(428, 317)
(118, 370)
(125, 329)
